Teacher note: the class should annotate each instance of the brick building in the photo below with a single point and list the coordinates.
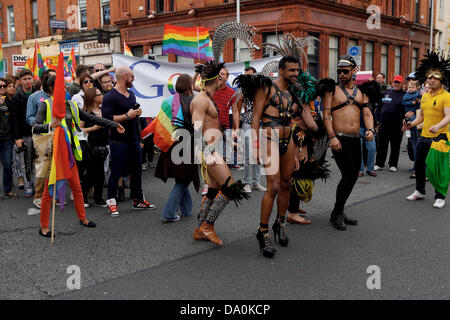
(395, 48)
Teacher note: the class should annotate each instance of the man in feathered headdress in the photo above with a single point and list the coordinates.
(342, 106)
(435, 115)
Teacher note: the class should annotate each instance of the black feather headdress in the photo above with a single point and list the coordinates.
(372, 90)
(211, 70)
(325, 85)
(435, 64)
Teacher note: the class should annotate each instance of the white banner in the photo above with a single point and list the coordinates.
(155, 81)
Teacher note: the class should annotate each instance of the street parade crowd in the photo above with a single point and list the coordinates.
(278, 124)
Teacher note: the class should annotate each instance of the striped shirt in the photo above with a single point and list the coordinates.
(222, 98)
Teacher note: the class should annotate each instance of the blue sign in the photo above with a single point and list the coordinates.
(58, 24)
(354, 51)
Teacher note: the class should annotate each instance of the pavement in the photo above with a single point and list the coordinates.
(137, 256)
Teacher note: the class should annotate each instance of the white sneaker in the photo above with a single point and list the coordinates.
(439, 203)
(416, 195)
(392, 169)
(71, 196)
(37, 203)
(247, 188)
(112, 207)
(377, 168)
(259, 187)
(204, 189)
(86, 205)
(144, 167)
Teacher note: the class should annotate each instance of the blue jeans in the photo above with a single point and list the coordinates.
(371, 149)
(125, 155)
(6, 148)
(412, 143)
(179, 198)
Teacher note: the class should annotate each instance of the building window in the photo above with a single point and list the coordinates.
(11, 24)
(417, 12)
(369, 56)
(333, 56)
(313, 57)
(34, 20)
(5, 66)
(398, 60)
(415, 57)
(137, 51)
(430, 14)
(270, 38)
(157, 51)
(52, 13)
(393, 7)
(384, 58)
(244, 52)
(160, 6)
(83, 13)
(172, 5)
(106, 12)
(441, 10)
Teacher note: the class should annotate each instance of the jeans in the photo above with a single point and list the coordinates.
(248, 168)
(125, 155)
(348, 160)
(371, 149)
(422, 148)
(6, 148)
(179, 198)
(412, 142)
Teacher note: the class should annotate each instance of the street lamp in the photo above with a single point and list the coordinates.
(431, 25)
(238, 20)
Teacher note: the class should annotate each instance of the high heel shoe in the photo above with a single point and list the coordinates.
(265, 244)
(279, 229)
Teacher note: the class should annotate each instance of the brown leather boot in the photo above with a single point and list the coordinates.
(207, 232)
(197, 233)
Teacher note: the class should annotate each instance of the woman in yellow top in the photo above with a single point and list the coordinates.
(435, 115)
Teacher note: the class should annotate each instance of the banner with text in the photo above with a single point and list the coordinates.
(155, 81)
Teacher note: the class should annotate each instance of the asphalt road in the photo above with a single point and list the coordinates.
(137, 256)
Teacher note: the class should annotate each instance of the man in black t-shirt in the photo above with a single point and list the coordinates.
(119, 105)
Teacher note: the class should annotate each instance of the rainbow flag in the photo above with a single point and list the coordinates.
(2, 67)
(38, 62)
(72, 64)
(162, 127)
(187, 42)
(126, 50)
(63, 159)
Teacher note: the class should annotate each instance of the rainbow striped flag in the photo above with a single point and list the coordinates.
(2, 67)
(126, 50)
(72, 64)
(38, 62)
(162, 127)
(187, 42)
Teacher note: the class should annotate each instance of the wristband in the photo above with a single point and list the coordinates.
(372, 130)
(333, 135)
(127, 117)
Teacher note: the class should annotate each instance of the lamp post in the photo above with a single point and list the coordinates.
(431, 25)
(238, 20)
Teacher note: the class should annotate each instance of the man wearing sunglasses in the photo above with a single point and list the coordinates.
(391, 121)
(342, 105)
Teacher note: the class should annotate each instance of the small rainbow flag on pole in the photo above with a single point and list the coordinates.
(72, 64)
(2, 67)
(38, 62)
(187, 42)
(126, 50)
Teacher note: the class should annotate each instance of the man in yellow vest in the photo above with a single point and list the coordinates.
(71, 125)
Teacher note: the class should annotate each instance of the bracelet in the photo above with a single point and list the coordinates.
(333, 135)
(127, 117)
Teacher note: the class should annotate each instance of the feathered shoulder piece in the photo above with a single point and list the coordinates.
(325, 85)
(371, 89)
(250, 84)
(305, 88)
(434, 64)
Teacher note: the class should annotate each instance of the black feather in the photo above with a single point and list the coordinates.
(325, 85)
(250, 84)
(436, 61)
(235, 191)
(371, 89)
(312, 170)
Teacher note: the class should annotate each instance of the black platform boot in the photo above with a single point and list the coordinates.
(265, 243)
(279, 230)
(337, 220)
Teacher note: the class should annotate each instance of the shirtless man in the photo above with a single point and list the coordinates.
(274, 107)
(221, 188)
(341, 114)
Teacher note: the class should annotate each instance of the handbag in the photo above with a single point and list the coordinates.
(43, 143)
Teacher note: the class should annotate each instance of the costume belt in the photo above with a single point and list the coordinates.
(347, 135)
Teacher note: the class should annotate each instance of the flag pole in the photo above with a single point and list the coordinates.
(198, 45)
(53, 212)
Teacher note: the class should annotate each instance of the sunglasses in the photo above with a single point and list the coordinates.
(3, 86)
(98, 70)
(90, 81)
(344, 71)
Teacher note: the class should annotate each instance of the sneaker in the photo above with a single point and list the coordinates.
(142, 204)
(439, 203)
(152, 164)
(112, 207)
(392, 169)
(259, 187)
(37, 203)
(100, 203)
(144, 166)
(247, 188)
(29, 193)
(86, 205)
(175, 219)
(204, 189)
(416, 195)
(71, 196)
(377, 168)
(21, 183)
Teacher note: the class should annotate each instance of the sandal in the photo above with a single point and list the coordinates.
(295, 218)
(11, 195)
